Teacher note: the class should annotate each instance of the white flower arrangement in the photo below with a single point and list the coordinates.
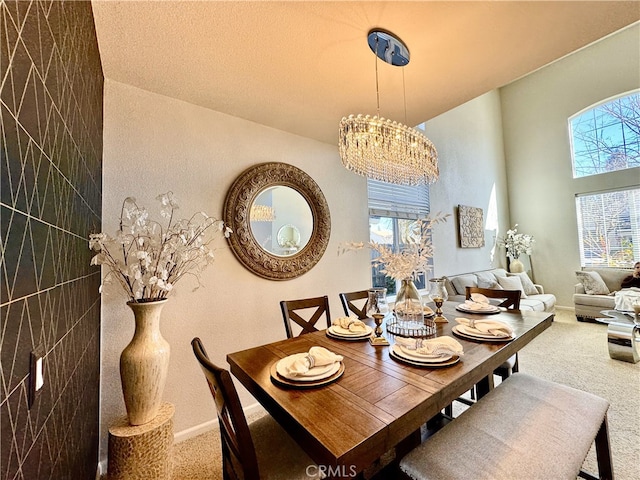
(517, 243)
(147, 258)
(414, 258)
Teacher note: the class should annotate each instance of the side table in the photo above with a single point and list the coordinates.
(623, 336)
(144, 451)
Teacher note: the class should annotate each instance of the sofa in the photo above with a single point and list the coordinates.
(590, 301)
(533, 298)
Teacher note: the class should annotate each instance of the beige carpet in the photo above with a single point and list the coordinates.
(569, 352)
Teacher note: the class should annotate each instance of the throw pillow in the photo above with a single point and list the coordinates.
(529, 287)
(493, 284)
(460, 282)
(592, 283)
(512, 283)
(486, 276)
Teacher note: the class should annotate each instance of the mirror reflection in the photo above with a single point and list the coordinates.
(281, 220)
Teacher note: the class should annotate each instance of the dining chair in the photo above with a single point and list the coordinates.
(511, 298)
(349, 307)
(262, 449)
(290, 314)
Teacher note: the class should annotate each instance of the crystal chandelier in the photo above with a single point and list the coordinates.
(382, 149)
(262, 213)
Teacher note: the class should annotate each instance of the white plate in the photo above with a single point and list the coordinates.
(475, 333)
(315, 373)
(345, 332)
(485, 338)
(488, 309)
(416, 357)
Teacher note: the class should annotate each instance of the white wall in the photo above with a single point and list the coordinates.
(472, 173)
(535, 112)
(153, 144)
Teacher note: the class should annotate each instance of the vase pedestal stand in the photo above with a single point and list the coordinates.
(144, 451)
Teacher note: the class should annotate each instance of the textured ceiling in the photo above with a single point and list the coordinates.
(302, 66)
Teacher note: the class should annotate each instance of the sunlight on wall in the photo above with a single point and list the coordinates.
(492, 223)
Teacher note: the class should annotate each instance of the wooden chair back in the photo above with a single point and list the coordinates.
(511, 297)
(289, 314)
(349, 307)
(239, 459)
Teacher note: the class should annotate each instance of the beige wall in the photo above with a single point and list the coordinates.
(471, 161)
(535, 112)
(153, 144)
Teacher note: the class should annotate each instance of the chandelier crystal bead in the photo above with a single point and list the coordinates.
(385, 150)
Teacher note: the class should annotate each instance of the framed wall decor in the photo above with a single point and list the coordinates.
(471, 226)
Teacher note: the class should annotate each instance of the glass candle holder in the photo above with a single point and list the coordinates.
(438, 295)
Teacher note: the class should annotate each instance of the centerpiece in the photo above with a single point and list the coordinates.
(516, 244)
(147, 258)
(412, 258)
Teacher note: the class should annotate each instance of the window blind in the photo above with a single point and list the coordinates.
(609, 228)
(401, 201)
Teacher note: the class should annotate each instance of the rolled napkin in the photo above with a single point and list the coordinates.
(317, 357)
(432, 347)
(486, 327)
(350, 323)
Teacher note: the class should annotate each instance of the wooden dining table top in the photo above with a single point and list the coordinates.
(378, 401)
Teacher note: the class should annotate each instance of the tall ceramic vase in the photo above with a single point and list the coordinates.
(144, 364)
(516, 266)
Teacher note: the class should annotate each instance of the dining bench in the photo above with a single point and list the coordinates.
(526, 427)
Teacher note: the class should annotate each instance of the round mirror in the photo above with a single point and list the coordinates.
(275, 216)
(280, 220)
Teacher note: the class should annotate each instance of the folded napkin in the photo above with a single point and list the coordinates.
(350, 323)
(479, 298)
(486, 327)
(477, 302)
(317, 357)
(432, 347)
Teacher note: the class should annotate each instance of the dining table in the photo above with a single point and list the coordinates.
(377, 403)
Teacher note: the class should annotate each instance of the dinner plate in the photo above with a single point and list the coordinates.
(452, 361)
(475, 333)
(315, 373)
(489, 310)
(484, 338)
(285, 382)
(402, 351)
(345, 332)
(347, 338)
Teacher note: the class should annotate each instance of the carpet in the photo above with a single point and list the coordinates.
(570, 352)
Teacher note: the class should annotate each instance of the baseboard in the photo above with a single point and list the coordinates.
(181, 436)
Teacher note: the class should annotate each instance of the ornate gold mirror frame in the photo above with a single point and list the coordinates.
(237, 208)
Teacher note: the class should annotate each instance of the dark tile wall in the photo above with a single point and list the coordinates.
(51, 89)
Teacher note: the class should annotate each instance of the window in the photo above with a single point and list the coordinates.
(393, 210)
(606, 138)
(609, 228)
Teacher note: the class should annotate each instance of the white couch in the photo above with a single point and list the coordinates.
(589, 306)
(456, 284)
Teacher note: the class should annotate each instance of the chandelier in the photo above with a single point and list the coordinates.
(382, 149)
(262, 213)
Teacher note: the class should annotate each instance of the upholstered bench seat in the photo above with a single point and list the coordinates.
(524, 428)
